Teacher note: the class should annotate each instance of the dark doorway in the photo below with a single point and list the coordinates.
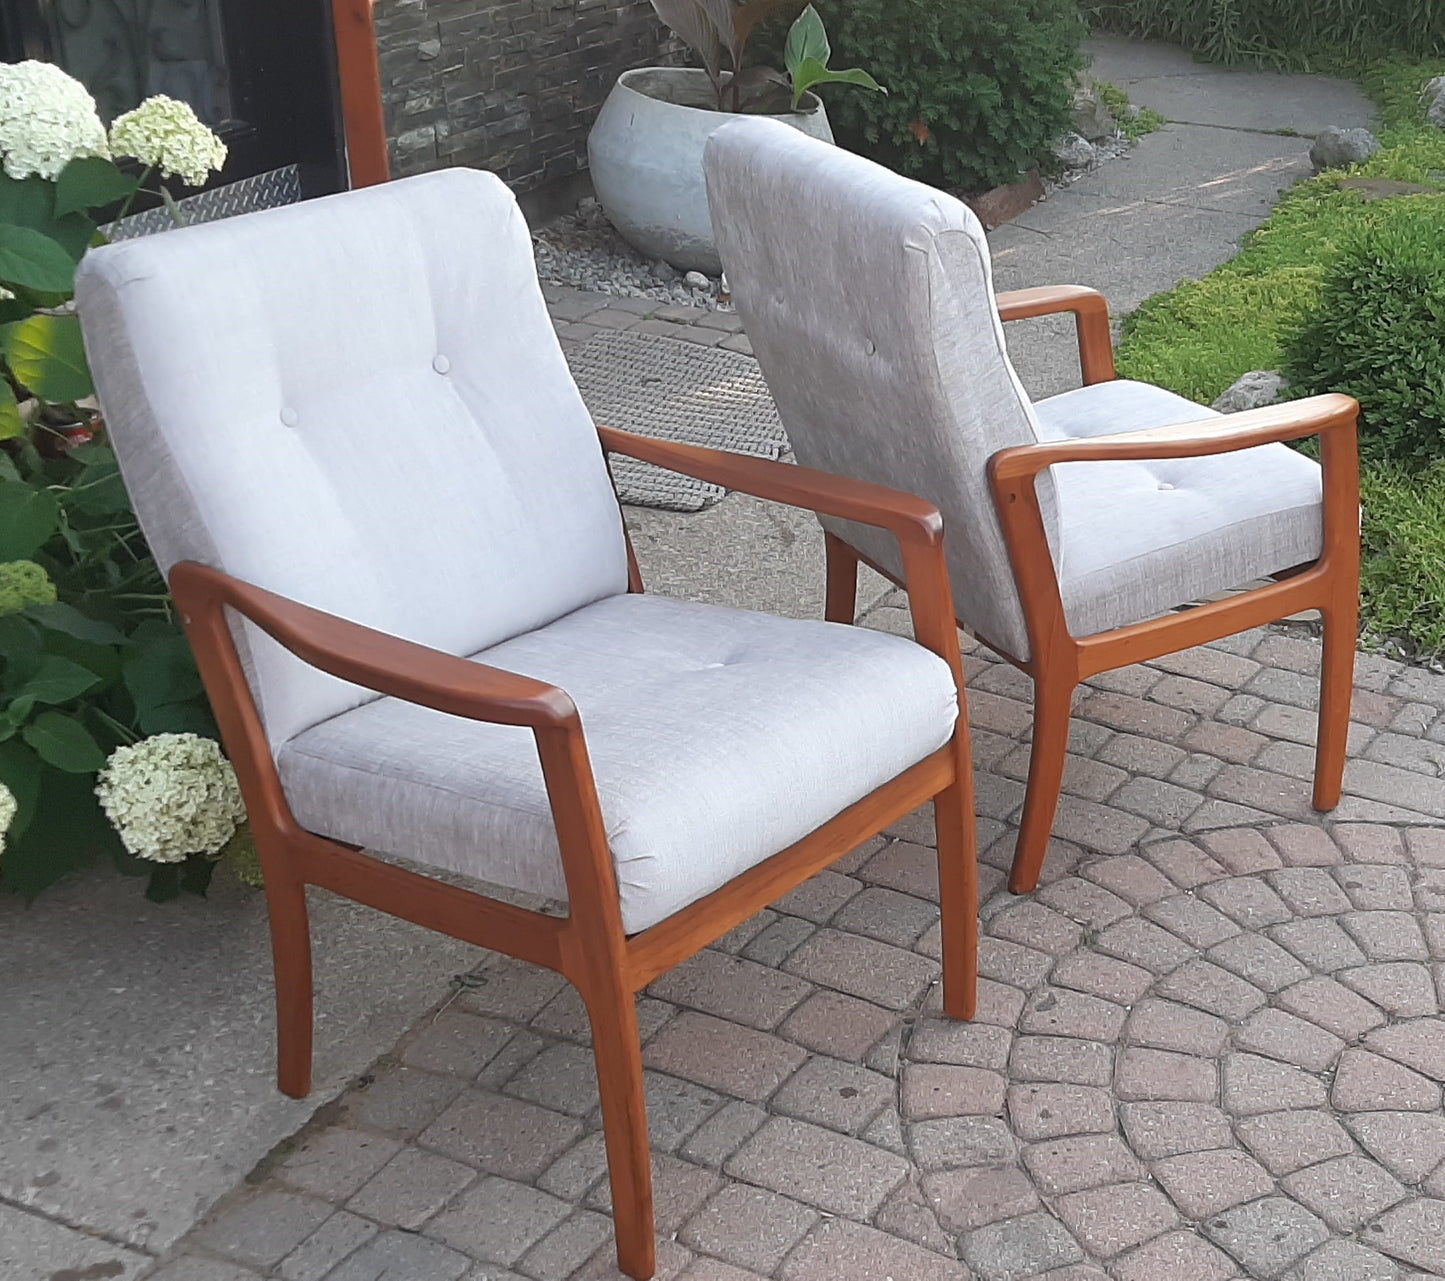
(262, 73)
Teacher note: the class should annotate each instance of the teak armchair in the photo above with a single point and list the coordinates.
(1074, 524)
(390, 531)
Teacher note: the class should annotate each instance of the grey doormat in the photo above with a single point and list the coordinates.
(675, 390)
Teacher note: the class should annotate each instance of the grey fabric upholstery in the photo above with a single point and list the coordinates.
(357, 402)
(360, 403)
(717, 738)
(869, 302)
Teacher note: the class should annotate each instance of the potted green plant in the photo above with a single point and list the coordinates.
(645, 150)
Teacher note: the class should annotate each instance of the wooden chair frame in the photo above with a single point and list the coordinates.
(1059, 660)
(588, 946)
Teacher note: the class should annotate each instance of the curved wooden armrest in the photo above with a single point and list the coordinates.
(914, 521)
(1317, 416)
(910, 518)
(375, 660)
(1091, 322)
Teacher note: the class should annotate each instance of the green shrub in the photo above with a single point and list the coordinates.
(1402, 574)
(1281, 30)
(978, 90)
(1377, 332)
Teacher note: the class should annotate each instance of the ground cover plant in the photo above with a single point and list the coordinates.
(1286, 32)
(1283, 302)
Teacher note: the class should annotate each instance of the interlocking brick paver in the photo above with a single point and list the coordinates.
(1267, 1235)
(575, 1172)
(1369, 842)
(1342, 1260)
(456, 1043)
(1190, 918)
(1279, 1035)
(410, 1188)
(887, 915)
(1241, 850)
(1253, 1085)
(558, 1254)
(1110, 1220)
(932, 1090)
(501, 1135)
(1062, 1012)
(748, 1226)
(402, 1100)
(1387, 936)
(1403, 989)
(260, 1230)
(831, 1092)
(1204, 1183)
(779, 940)
(1303, 844)
(1058, 1058)
(340, 1235)
(1288, 1141)
(1176, 1254)
(1012, 963)
(1346, 1193)
(967, 1199)
(1259, 961)
(1144, 944)
(723, 1133)
(1310, 891)
(1320, 943)
(1156, 1130)
(1365, 1082)
(1167, 1025)
(836, 1024)
(839, 1248)
(1207, 986)
(1053, 1111)
(1415, 1233)
(862, 967)
(830, 1171)
(679, 1189)
(1411, 1145)
(723, 1056)
(562, 1078)
(730, 987)
(961, 1141)
(1419, 1044)
(1184, 863)
(1247, 901)
(498, 1221)
(1023, 1247)
(1104, 976)
(1157, 1075)
(1331, 1006)
(402, 1254)
(334, 1163)
(1032, 925)
(979, 1045)
(1083, 901)
(1080, 1162)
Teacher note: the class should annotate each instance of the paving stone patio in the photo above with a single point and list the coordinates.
(1211, 1045)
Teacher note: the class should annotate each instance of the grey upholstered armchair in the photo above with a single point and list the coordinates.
(1072, 526)
(386, 516)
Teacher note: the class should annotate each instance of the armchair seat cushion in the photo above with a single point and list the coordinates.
(1136, 539)
(717, 738)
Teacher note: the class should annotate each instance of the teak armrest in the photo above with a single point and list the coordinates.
(914, 521)
(1317, 416)
(910, 518)
(376, 660)
(1091, 322)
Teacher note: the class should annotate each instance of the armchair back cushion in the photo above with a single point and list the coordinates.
(869, 301)
(357, 402)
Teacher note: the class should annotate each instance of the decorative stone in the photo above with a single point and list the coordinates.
(1091, 118)
(1433, 96)
(1074, 151)
(1253, 390)
(1340, 148)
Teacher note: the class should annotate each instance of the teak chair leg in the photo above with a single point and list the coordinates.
(291, 957)
(1053, 702)
(618, 1051)
(958, 889)
(841, 604)
(1337, 681)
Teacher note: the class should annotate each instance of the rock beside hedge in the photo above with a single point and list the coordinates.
(1340, 148)
(1255, 390)
(1434, 99)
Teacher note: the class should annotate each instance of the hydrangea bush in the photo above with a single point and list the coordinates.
(91, 656)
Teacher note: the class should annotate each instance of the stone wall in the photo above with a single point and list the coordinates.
(507, 85)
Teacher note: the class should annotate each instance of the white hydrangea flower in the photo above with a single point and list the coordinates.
(8, 806)
(47, 119)
(171, 796)
(168, 135)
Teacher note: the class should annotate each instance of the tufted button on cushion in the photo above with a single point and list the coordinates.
(441, 364)
(289, 417)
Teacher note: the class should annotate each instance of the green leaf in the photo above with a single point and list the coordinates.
(11, 424)
(91, 183)
(20, 771)
(58, 680)
(64, 742)
(810, 75)
(33, 259)
(19, 641)
(160, 673)
(17, 713)
(68, 828)
(806, 39)
(61, 617)
(30, 202)
(28, 517)
(47, 354)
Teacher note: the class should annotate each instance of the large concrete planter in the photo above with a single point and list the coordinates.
(645, 153)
